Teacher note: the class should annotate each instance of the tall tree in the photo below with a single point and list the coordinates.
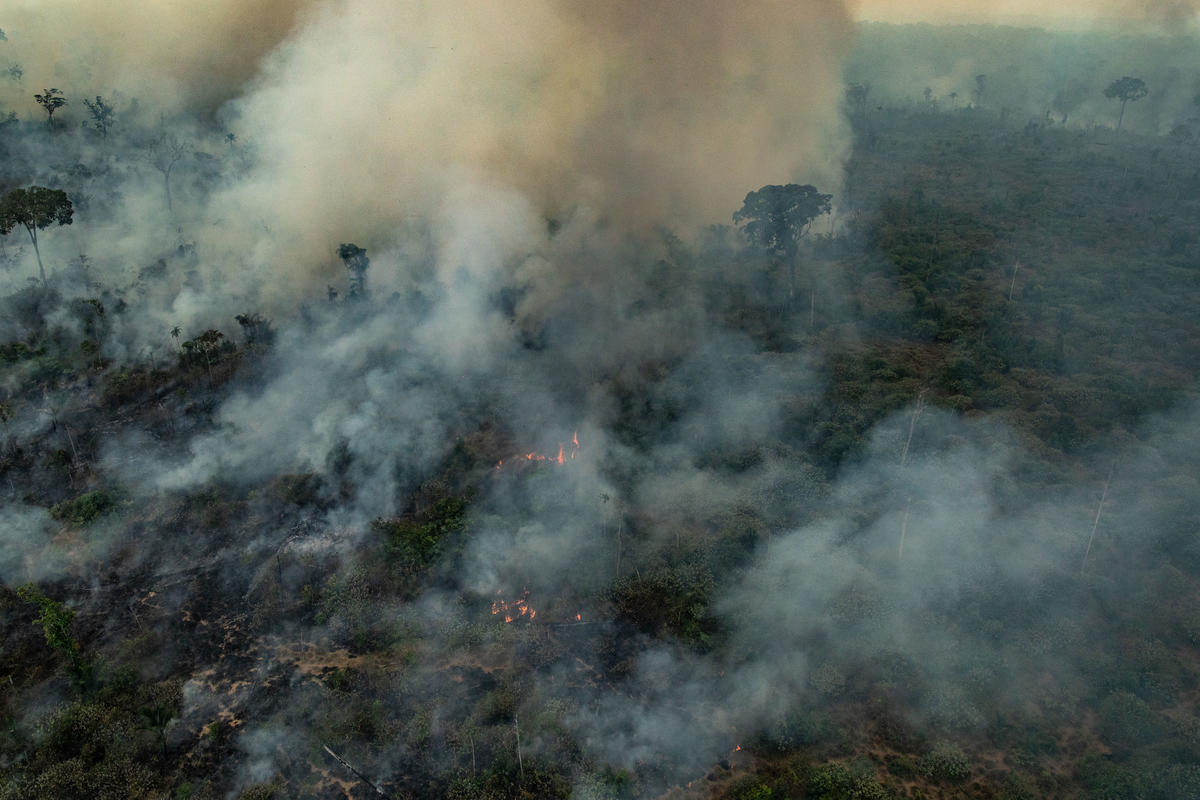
(356, 261)
(1126, 89)
(51, 100)
(776, 218)
(35, 208)
(164, 152)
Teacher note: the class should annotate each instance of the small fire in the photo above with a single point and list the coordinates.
(737, 748)
(579, 617)
(561, 458)
(515, 610)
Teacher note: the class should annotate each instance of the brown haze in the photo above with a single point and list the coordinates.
(366, 115)
(170, 54)
(639, 113)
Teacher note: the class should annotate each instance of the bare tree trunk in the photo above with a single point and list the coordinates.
(37, 251)
(620, 522)
(912, 424)
(357, 774)
(904, 528)
(1096, 521)
(520, 765)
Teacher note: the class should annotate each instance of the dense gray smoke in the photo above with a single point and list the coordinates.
(644, 113)
(515, 171)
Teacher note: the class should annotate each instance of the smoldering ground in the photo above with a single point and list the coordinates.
(494, 331)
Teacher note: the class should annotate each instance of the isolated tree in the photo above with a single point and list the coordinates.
(776, 218)
(51, 100)
(15, 72)
(163, 152)
(1126, 89)
(102, 115)
(356, 261)
(856, 98)
(35, 208)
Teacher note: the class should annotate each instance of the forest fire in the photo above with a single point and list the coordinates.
(562, 457)
(515, 610)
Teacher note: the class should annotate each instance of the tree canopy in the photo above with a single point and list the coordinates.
(35, 208)
(1126, 89)
(777, 217)
(356, 261)
(51, 100)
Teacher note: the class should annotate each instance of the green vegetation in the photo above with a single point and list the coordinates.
(84, 509)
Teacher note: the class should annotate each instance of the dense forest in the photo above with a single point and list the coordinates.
(884, 486)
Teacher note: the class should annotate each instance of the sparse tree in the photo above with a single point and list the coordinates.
(102, 115)
(204, 348)
(928, 94)
(35, 208)
(15, 72)
(980, 89)
(776, 218)
(356, 261)
(1126, 89)
(163, 153)
(51, 100)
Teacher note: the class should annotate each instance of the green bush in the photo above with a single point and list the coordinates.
(83, 510)
(839, 782)
(945, 762)
(749, 788)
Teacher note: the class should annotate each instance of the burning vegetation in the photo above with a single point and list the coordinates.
(890, 486)
(560, 459)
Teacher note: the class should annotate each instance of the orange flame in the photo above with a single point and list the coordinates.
(739, 747)
(559, 459)
(579, 617)
(516, 609)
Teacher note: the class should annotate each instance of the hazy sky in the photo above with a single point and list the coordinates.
(1034, 12)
